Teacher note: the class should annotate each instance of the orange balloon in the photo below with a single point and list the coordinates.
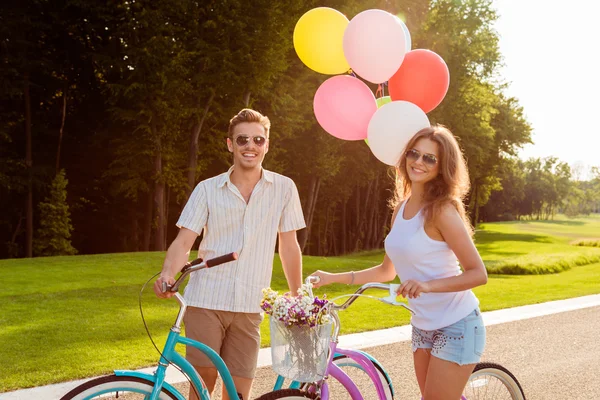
(422, 79)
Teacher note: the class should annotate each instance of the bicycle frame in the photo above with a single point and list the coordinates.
(169, 355)
(337, 373)
(361, 358)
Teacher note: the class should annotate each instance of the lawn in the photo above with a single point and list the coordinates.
(64, 318)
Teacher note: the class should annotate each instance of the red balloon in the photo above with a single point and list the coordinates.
(423, 79)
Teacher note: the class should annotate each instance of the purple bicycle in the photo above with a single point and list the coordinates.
(358, 376)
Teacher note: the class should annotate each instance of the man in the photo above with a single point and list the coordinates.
(241, 210)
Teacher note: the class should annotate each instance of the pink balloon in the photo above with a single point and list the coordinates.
(344, 106)
(375, 44)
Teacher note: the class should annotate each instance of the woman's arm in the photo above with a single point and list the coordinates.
(380, 273)
(383, 272)
(454, 232)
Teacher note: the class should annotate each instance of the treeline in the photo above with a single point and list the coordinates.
(111, 112)
(540, 188)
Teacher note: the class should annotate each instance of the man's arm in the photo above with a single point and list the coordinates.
(291, 259)
(177, 255)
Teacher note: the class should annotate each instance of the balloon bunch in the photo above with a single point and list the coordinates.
(376, 46)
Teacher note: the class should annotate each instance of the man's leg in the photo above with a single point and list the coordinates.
(208, 327)
(209, 376)
(240, 351)
(243, 387)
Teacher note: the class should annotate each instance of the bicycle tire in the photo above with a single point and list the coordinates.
(491, 381)
(125, 387)
(287, 394)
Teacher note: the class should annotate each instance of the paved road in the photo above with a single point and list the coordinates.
(554, 357)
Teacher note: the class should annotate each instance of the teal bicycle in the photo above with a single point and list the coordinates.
(133, 385)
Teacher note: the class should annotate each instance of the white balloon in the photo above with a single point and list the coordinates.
(406, 35)
(391, 128)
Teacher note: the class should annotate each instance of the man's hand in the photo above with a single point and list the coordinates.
(158, 287)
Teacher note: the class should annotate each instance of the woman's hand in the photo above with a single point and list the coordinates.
(325, 278)
(412, 289)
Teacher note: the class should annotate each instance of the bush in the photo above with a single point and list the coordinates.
(541, 264)
(588, 243)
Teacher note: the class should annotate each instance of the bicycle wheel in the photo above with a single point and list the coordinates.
(361, 379)
(287, 394)
(491, 381)
(113, 387)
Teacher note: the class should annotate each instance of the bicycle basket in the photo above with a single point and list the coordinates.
(300, 353)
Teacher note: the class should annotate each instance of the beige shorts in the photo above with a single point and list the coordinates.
(234, 336)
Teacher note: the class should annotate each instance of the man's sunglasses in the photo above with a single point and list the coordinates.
(243, 140)
(428, 159)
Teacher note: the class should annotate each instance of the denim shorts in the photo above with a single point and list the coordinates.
(461, 343)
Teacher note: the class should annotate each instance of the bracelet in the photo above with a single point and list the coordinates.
(352, 281)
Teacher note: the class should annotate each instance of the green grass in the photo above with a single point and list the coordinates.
(537, 247)
(64, 318)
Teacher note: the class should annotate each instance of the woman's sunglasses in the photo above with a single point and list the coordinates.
(428, 159)
(243, 140)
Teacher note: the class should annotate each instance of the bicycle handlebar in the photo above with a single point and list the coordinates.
(196, 265)
(191, 264)
(213, 262)
(373, 285)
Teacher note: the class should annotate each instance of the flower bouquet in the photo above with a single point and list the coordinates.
(301, 328)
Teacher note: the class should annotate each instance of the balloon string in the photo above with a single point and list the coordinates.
(379, 91)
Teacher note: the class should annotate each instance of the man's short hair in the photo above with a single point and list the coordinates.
(249, 115)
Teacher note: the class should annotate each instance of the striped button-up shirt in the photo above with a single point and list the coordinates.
(217, 207)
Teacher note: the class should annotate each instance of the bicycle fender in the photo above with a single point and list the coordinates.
(151, 378)
(296, 384)
(378, 365)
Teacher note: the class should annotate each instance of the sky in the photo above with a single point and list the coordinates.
(551, 54)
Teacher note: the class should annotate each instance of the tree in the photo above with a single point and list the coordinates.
(54, 234)
(503, 204)
(133, 100)
(487, 123)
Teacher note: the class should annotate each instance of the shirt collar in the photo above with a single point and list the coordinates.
(226, 177)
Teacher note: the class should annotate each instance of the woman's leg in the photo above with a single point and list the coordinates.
(421, 359)
(456, 350)
(445, 380)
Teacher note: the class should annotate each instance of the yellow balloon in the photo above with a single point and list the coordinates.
(318, 40)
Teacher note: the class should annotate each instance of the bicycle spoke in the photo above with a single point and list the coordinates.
(487, 387)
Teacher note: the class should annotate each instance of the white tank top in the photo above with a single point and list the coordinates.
(416, 256)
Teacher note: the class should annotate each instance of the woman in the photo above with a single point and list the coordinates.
(430, 231)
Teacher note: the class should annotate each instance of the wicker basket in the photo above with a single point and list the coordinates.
(300, 353)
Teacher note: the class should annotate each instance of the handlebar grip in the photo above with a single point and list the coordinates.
(213, 262)
(190, 264)
(313, 279)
